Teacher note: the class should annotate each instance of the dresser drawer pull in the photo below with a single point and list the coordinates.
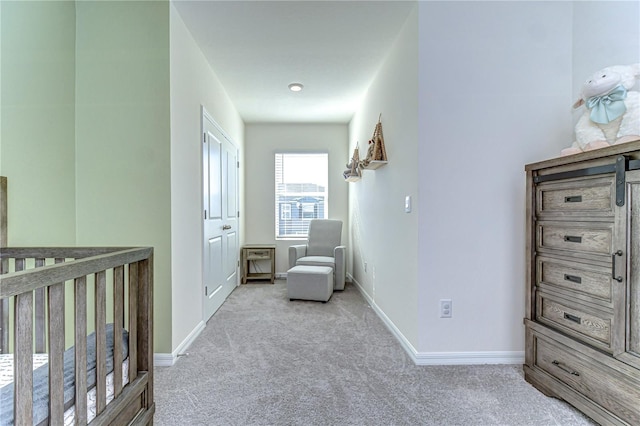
(573, 318)
(572, 239)
(565, 369)
(573, 278)
(613, 266)
(573, 199)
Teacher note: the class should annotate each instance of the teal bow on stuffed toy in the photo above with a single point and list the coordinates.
(607, 107)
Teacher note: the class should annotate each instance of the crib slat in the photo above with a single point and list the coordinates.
(4, 267)
(80, 326)
(46, 289)
(56, 354)
(19, 264)
(4, 313)
(4, 308)
(40, 314)
(23, 359)
(101, 339)
(53, 274)
(4, 326)
(145, 320)
(23, 354)
(3, 211)
(133, 325)
(118, 322)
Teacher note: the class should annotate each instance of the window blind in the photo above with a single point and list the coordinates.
(301, 192)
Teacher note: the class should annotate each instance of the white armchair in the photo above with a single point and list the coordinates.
(322, 249)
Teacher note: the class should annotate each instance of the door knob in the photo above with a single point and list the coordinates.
(225, 227)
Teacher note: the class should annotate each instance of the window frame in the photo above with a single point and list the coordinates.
(279, 211)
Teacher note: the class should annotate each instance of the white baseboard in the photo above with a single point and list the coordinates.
(167, 360)
(441, 358)
(469, 358)
(163, 360)
(281, 275)
(419, 358)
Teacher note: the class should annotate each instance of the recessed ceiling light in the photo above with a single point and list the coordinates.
(295, 87)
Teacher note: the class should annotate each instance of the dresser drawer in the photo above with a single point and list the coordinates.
(587, 324)
(580, 237)
(256, 254)
(598, 382)
(586, 196)
(583, 281)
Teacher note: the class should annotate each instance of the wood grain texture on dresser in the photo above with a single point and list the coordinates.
(583, 281)
(587, 196)
(583, 237)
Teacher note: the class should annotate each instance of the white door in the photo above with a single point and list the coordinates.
(220, 201)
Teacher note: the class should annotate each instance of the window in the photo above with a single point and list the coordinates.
(309, 210)
(285, 211)
(301, 192)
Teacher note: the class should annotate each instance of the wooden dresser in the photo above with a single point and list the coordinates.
(583, 281)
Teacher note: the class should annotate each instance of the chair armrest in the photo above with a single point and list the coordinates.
(340, 255)
(295, 253)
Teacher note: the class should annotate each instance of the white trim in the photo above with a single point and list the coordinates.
(469, 358)
(167, 360)
(409, 349)
(440, 358)
(281, 275)
(205, 114)
(163, 360)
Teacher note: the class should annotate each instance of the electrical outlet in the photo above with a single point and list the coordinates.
(446, 308)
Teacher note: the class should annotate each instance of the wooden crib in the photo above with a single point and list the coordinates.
(82, 307)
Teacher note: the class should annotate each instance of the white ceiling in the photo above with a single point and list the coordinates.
(257, 48)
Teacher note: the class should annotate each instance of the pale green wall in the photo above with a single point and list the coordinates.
(85, 141)
(0, 89)
(123, 177)
(37, 111)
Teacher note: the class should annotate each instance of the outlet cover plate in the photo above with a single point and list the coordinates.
(446, 308)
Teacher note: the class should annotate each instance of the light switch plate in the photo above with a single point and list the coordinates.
(407, 204)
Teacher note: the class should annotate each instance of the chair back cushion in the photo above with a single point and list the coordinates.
(324, 236)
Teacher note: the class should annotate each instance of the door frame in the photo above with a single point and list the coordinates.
(204, 115)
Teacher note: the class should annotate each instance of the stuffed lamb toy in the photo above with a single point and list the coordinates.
(612, 109)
